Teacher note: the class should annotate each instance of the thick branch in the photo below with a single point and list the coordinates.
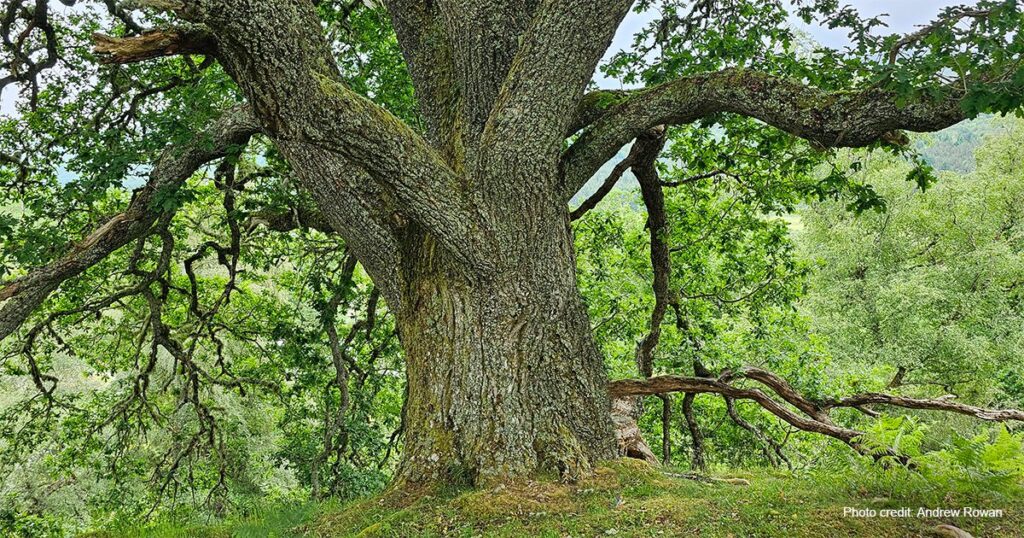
(557, 59)
(428, 55)
(23, 295)
(830, 119)
(354, 205)
(280, 60)
(153, 44)
(817, 419)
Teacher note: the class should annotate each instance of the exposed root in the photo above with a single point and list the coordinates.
(628, 438)
(710, 479)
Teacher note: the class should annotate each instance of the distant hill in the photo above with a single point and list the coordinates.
(952, 149)
(626, 182)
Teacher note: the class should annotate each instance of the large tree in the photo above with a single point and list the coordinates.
(460, 216)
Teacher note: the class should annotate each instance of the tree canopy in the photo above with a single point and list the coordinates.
(276, 247)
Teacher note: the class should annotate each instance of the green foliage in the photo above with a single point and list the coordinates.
(108, 467)
(989, 464)
(882, 278)
(894, 435)
(27, 525)
(926, 288)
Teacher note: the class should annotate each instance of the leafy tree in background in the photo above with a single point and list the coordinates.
(953, 149)
(929, 289)
(441, 142)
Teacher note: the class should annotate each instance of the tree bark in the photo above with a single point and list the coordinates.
(697, 461)
(504, 377)
(666, 428)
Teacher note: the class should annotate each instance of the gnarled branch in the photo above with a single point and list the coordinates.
(815, 417)
(647, 148)
(23, 295)
(829, 119)
(153, 44)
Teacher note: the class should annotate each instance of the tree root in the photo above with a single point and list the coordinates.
(709, 479)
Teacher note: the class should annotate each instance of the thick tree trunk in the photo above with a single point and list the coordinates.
(479, 268)
(466, 231)
(504, 377)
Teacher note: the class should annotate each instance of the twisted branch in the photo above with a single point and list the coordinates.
(814, 415)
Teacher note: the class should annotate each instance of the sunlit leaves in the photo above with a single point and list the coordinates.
(928, 284)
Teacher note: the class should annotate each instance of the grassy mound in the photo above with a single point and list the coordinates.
(624, 498)
(629, 498)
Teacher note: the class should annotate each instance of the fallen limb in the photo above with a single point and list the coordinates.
(698, 385)
(813, 415)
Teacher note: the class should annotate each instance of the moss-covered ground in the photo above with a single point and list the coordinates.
(624, 498)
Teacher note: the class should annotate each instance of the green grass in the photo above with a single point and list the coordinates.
(628, 498)
(279, 521)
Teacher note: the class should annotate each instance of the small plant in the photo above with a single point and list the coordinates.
(987, 465)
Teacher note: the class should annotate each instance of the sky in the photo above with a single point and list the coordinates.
(904, 15)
